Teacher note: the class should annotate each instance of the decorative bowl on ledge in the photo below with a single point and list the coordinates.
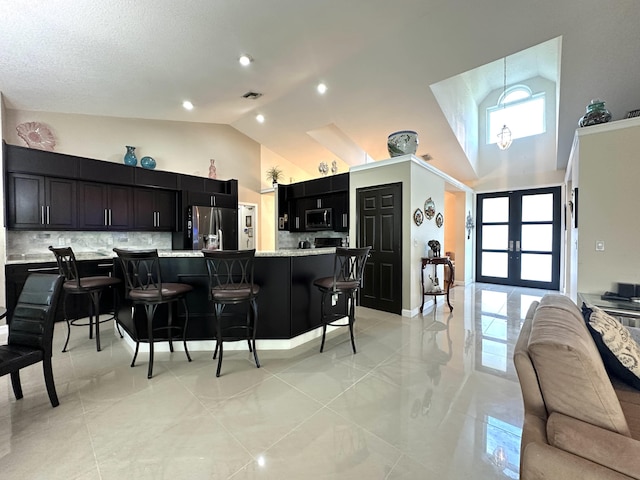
(403, 142)
(148, 162)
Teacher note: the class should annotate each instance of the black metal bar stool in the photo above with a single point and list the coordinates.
(348, 269)
(144, 286)
(231, 283)
(93, 286)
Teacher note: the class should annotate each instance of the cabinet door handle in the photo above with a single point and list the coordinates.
(511, 245)
(517, 245)
(158, 219)
(297, 222)
(319, 203)
(48, 215)
(213, 200)
(44, 269)
(344, 219)
(42, 214)
(110, 217)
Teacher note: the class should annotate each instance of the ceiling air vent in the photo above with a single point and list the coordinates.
(252, 95)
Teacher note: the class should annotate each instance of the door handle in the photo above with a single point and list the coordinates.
(511, 245)
(517, 245)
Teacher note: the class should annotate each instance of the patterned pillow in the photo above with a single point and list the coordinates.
(620, 352)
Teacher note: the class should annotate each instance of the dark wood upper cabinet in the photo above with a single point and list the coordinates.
(35, 202)
(326, 192)
(40, 162)
(154, 209)
(105, 207)
(101, 171)
(50, 190)
(155, 178)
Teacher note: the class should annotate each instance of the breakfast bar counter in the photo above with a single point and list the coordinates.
(288, 303)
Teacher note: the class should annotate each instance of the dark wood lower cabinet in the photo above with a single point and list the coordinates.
(288, 303)
(77, 305)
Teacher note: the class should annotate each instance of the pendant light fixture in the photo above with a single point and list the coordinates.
(504, 137)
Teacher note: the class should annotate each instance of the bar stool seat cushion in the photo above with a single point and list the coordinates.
(90, 283)
(326, 283)
(234, 292)
(169, 291)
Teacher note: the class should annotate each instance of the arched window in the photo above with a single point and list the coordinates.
(518, 109)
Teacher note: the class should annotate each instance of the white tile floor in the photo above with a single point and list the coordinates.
(431, 397)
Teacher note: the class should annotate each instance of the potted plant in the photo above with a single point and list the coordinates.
(274, 174)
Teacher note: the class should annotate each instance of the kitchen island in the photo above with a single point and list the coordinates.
(288, 303)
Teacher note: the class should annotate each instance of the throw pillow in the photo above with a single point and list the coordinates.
(619, 351)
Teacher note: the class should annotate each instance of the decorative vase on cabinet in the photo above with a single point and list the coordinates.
(596, 113)
(130, 157)
(148, 162)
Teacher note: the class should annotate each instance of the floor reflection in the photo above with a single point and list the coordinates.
(429, 397)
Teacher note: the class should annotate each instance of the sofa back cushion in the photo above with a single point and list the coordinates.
(531, 396)
(571, 375)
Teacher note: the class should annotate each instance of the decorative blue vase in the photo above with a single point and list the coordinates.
(148, 162)
(130, 157)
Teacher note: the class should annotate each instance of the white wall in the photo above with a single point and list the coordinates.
(529, 162)
(180, 147)
(608, 199)
(418, 184)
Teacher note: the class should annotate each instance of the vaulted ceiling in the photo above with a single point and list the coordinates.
(378, 58)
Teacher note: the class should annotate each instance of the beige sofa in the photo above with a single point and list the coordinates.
(578, 422)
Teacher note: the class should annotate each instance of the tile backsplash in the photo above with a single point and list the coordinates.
(30, 242)
(287, 240)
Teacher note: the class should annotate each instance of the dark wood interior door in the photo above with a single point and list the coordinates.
(379, 214)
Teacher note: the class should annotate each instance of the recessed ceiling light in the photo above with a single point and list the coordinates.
(187, 105)
(245, 60)
(260, 118)
(322, 88)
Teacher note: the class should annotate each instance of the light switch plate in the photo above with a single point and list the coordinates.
(599, 245)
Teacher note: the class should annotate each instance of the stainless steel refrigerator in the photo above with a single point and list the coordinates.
(211, 227)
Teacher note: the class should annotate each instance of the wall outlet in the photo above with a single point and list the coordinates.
(599, 245)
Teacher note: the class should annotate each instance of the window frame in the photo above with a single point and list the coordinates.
(489, 140)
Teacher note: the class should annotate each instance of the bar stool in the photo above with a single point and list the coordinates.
(144, 286)
(231, 283)
(348, 269)
(93, 286)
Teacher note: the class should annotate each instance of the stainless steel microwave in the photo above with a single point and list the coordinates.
(318, 219)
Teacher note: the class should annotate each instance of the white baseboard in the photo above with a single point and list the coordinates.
(210, 345)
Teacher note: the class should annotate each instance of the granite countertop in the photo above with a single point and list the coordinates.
(14, 259)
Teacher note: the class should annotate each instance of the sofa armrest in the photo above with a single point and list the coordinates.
(604, 447)
(544, 462)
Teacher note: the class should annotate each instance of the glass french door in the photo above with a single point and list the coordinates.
(518, 238)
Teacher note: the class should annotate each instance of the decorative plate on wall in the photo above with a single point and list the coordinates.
(429, 208)
(36, 135)
(418, 218)
(439, 220)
